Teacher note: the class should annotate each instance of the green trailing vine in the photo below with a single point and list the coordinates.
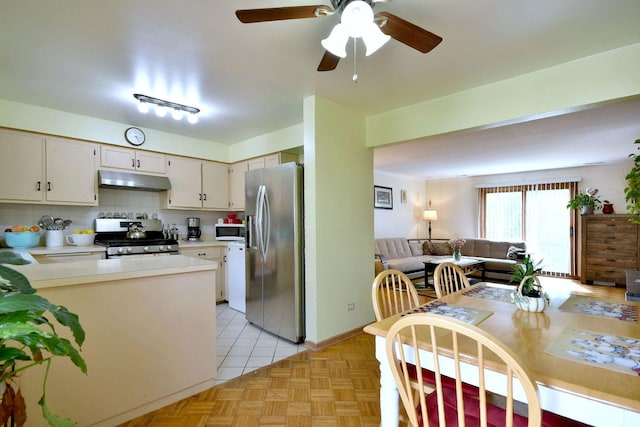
(632, 191)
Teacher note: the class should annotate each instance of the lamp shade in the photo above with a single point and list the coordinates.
(430, 215)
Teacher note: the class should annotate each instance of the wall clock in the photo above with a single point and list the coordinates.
(134, 136)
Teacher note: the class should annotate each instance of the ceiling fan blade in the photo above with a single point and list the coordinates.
(248, 16)
(408, 33)
(328, 62)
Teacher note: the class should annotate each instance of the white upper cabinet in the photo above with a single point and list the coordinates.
(115, 157)
(197, 184)
(236, 185)
(72, 168)
(38, 169)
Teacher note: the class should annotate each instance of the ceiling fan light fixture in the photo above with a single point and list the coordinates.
(374, 38)
(357, 22)
(336, 43)
(161, 111)
(192, 118)
(356, 17)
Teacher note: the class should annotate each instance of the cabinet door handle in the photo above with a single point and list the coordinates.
(138, 164)
(38, 185)
(48, 185)
(205, 196)
(133, 163)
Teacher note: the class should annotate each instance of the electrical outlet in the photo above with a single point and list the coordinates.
(351, 306)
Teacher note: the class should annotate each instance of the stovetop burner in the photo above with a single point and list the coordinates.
(112, 233)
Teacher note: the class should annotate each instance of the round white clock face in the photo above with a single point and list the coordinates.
(134, 136)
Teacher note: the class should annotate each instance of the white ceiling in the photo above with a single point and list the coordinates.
(89, 57)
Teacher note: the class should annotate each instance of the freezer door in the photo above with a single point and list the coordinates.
(282, 266)
(254, 303)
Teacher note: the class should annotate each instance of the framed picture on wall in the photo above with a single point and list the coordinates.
(382, 197)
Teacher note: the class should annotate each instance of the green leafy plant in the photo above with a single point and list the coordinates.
(527, 268)
(632, 191)
(27, 339)
(586, 198)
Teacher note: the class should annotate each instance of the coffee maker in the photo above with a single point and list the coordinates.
(193, 229)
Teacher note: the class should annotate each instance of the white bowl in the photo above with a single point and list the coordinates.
(80, 239)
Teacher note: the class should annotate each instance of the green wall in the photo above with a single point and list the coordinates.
(338, 220)
(555, 90)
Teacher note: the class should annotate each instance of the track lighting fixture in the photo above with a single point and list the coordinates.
(163, 107)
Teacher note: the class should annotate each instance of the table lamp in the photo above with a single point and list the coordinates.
(430, 215)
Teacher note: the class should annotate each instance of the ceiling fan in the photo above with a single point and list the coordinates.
(385, 26)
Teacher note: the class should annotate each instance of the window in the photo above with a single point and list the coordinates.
(537, 214)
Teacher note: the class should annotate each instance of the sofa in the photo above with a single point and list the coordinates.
(409, 255)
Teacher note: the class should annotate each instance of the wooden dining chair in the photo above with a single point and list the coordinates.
(449, 278)
(392, 293)
(456, 403)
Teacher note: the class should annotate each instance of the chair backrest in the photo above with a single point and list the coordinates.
(443, 335)
(393, 292)
(448, 278)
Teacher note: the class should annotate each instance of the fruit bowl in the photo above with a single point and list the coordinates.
(22, 239)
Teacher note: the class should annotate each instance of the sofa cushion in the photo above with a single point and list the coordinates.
(489, 248)
(439, 249)
(415, 263)
(392, 248)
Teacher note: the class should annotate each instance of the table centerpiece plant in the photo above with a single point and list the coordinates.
(587, 201)
(456, 245)
(29, 339)
(529, 296)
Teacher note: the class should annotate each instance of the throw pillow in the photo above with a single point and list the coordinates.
(427, 248)
(441, 249)
(515, 253)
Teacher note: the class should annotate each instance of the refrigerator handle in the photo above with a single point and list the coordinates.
(249, 231)
(267, 224)
(259, 221)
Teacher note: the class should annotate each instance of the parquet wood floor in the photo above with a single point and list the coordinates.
(337, 386)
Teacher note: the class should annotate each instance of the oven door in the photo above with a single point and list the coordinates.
(132, 256)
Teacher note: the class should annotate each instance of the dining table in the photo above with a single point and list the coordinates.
(583, 350)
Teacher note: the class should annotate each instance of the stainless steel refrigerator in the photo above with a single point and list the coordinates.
(274, 240)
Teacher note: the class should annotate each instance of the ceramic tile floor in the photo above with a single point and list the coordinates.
(242, 347)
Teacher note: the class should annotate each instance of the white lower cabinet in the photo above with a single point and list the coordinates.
(212, 253)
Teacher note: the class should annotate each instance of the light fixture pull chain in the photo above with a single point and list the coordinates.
(355, 60)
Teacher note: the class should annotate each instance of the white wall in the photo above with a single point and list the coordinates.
(456, 200)
(405, 219)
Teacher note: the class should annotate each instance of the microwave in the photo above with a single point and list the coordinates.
(229, 231)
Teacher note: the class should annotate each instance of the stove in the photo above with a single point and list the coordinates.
(112, 234)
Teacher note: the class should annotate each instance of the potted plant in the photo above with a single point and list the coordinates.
(28, 339)
(529, 296)
(632, 191)
(456, 246)
(587, 201)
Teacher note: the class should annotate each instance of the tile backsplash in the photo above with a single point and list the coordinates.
(111, 200)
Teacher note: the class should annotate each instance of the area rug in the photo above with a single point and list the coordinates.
(621, 354)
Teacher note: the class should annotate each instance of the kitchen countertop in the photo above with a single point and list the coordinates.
(104, 270)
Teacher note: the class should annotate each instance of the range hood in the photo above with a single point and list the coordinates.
(132, 181)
